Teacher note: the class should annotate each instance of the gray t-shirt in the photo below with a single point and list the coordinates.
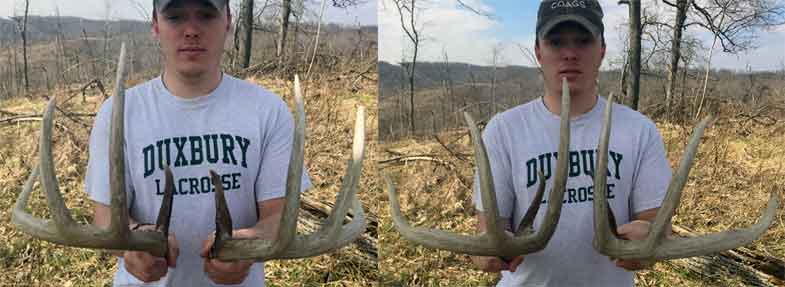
(525, 139)
(240, 130)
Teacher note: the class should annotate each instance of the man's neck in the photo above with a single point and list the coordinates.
(579, 103)
(183, 86)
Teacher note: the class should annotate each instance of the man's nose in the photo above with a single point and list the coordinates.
(192, 29)
(569, 53)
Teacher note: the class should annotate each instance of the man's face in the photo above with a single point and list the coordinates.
(192, 36)
(570, 51)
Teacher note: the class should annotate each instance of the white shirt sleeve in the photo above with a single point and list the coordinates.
(97, 176)
(501, 170)
(653, 173)
(276, 153)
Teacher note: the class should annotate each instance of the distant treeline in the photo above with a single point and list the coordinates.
(444, 91)
(73, 52)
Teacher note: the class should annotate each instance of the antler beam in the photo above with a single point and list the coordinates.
(287, 244)
(657, 246)
(495, 241)
(62, 229)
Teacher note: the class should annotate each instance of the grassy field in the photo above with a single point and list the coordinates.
(740, 162)
(32, 262)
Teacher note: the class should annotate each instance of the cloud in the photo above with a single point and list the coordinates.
(468, 37)
(444, 26)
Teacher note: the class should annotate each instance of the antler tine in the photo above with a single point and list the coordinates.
(434, 238)
(331, 228)
(332, 235)
(54, 200)
(63, 229)
(288, 228)
(657, 246)
(673, 196)
(528, 218)
(556, 196)
(495, 242)
(674, 248)
(119, 208)
(495, 232)
(604, 238)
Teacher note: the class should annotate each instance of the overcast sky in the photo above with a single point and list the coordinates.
(468, 37)
(141, 9)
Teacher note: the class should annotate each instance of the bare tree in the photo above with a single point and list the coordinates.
(634, 53)
(736, 30)
(316, 39)
(681, 16)
(708, 67)
(739, 20)
(247, 26)
(23, 34)
(286, 9)
(408, 8)
(495, 51)
(447, 86)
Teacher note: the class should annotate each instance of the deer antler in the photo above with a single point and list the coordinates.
(63, 229)
(289, 245)
(495, 241)
(657, 246)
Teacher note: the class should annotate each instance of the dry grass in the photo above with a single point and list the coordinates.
(32, 262)
(738, 165)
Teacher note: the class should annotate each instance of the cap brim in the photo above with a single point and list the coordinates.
(548, 26)
(163, 4)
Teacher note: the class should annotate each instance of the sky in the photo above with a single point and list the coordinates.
(470, 38)
(365, 14)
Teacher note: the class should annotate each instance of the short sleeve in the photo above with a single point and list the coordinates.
(653, 173)
(96, 182)
(498, 157)
(276, 152)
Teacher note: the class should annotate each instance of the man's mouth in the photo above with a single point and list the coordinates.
(191, 51)
(570, 74)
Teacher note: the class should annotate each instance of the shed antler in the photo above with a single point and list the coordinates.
(63, 229)
(495, 241)
(287, 244)
(657, 246)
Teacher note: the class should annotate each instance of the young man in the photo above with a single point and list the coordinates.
(524, 140)
(194, 119)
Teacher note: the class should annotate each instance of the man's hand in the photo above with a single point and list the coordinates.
(229, 273)
(495, 264)
(148, 268)
(635, 230)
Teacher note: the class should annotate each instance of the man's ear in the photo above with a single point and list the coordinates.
(537, 51)
(602, 56)
(229, 19)
(154, 27)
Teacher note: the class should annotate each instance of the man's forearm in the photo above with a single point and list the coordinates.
(267, 228)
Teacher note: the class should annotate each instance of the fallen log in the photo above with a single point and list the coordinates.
(363, 250)
(751, 268)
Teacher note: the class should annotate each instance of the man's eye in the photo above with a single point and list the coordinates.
(556, 42)
(208, 16)
(173, 18)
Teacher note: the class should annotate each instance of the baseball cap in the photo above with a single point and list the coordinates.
(587, 13)
(161, 4)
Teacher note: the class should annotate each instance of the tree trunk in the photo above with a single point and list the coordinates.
(247, 18)
(286, 9)
(678, 28)
(24, 46)
(635, 52)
